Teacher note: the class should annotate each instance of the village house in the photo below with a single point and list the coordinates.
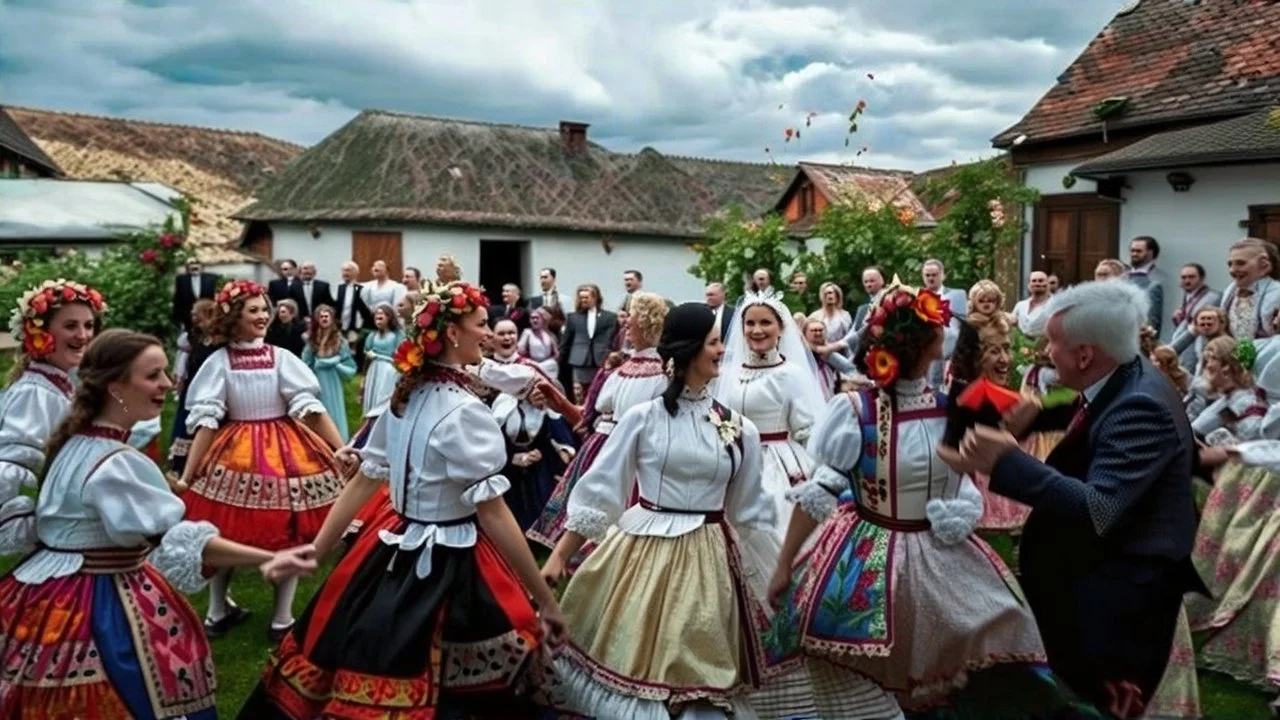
(130, 170)
(1163, 126)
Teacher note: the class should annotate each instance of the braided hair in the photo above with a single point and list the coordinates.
(683, 335)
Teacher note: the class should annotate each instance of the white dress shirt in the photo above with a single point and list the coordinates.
(591, 322)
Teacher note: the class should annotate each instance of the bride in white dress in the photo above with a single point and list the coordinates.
(769, 375)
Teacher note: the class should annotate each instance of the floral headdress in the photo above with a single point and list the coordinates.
(28, 319)
(425, 335)
(900, 312)
(237, 289)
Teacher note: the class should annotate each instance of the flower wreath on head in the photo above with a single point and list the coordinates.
(900, 310)
(425, 335)
(1246, 353)
(237, 289)
(27, 322)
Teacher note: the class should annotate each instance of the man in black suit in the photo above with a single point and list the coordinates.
(189, 287)
(286, 287)
(714, 295)
(354, 317)
(512, 308)
(314, 292)
(588, 336)
(549, 296)
(1106, 553)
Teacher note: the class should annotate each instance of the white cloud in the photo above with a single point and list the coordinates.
(697, 77)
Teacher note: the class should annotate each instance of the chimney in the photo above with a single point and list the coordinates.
(573, 135)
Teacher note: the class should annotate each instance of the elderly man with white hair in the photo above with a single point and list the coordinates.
(1106, 550)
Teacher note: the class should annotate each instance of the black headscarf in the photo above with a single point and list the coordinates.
(683, 335)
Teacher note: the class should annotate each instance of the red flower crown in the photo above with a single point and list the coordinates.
(27, 322)
(900, 311)
(237, 289)
(439, 305)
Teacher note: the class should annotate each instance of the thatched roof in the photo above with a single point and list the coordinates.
(220, 169)
(395, 167)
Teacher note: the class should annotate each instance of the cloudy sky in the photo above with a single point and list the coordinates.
(691, 77)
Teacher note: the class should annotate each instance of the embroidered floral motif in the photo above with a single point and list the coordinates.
(726, 427)
(260, 357)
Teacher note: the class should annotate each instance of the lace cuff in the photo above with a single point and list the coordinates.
(375, 470)
(802, 435)
(304, 404)
(18, 526)
(815, 500)
(180, 557)
(587, 522)
(205, 414)
(952, 520)
(490, 488)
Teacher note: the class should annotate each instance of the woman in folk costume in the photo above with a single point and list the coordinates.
(539, 344)
(1237, 549)
(329, 357)
(897, 588)
(665, 621)
(770, 376)
(261, 466)
(639, 379)
(540, 442)
(198, 349)
(380, 373)
(428, 615)
(90, 626)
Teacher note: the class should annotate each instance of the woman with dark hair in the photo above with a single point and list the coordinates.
(664, 619)
(198, 347)
(89, 623)
(897, 588)
(429, 613)
(261, 466)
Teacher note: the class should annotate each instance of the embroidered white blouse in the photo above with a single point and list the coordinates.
(251, 381)
(100, 493)
(680, 463)
(442, 458)
(30, 409)
(1235, 416)
(768, 391)
(636, 381)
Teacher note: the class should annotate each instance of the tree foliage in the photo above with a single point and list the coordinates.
(134, 275)
(737, 245)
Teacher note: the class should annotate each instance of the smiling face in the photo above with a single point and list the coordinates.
(706, 363)
(504, 337)
(1038, 283)
(146, 386)
(255, 317)
(1220, 375)
(72, 327)
(997, 356)
(1208, 324)
(761, 328)
(510, 296)
(468, 337)
(1248, 265)
(987, 303)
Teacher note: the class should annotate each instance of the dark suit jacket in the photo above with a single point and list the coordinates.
(184, 299)
(1106, 551)
(288, 337)
(358, 308)
(578, 349)
(518, 315)
(280, 289)
(320, 295)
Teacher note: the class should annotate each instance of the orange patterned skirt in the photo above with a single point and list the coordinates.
(266, 483)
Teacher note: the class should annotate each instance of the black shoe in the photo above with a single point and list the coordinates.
(275, 634)
(235, 615)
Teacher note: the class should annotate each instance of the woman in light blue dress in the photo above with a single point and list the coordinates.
(380, 373)
(329, 357)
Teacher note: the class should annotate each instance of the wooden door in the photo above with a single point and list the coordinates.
(370, 247)
(1073, 233)
(1264, 222)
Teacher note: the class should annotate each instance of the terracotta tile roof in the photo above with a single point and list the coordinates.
(13, 139)
(876, 187)
(389, 166)
(221, 169)
(1251, 138)
(1175, 60)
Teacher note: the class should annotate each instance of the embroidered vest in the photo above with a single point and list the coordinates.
(871, 477)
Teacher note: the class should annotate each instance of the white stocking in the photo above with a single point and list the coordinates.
(285, 590)
(218, 587)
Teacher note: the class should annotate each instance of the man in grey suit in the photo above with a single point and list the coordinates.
(1196, 294)
(1106, 552)
(1144, 250)
(588, 335)
(935, 275)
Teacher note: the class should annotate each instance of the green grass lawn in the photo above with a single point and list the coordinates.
(242, 654)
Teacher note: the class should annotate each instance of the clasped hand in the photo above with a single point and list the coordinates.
(290, 563)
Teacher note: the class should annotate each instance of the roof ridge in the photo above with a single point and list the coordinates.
(842, 166)
(719, 161)
(460, 121)
(154, 123)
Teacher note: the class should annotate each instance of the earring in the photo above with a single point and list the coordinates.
(120, 400)
(455, 343)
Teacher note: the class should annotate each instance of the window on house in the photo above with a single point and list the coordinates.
(806, 200)
(1264, 222)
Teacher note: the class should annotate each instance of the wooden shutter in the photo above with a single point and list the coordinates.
(1264, 222)
(370, 247)
(1073, 233)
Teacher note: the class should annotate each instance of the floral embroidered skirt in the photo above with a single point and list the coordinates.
(1237, 554)
(266, 483)
(905, 610)
(377, 641)
(659, 623)
(109, 646)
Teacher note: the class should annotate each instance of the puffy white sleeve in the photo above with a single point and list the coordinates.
(836, 447)
(600, 496)
(373, 456)
(511, 378)
(1260, 453)
(803, 404)
(747, 504)
(953, 519)
(28, 415)
(144, 432)
(1249, 412)
(298, 385)
(207, 394)
(1271, 423)
(136, 506)
(1210, 418)
(470, 444)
